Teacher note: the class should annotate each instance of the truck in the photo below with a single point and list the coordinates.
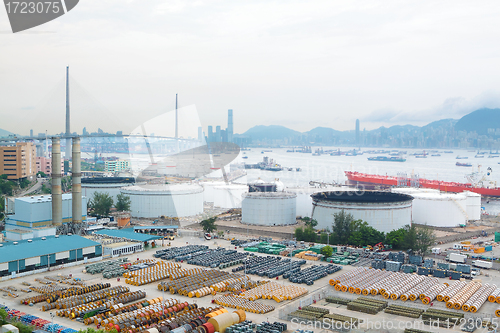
(482, 264)
(436, 250)
(455, 257)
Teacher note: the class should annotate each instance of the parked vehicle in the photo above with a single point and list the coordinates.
(458, 258)
(482, 264)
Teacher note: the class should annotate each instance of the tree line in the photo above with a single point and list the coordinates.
(101, 203)
(348, 231)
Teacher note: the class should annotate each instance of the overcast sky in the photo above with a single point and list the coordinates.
(300, 64)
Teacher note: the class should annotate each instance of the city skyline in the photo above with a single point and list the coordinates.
(298, 65)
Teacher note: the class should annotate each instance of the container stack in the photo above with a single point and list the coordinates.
(393, 266)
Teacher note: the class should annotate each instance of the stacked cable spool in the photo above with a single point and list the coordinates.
(160, 265)
(73, 301)
(449, 292)
(243, 304)
(495, 296)
(379, 286)
(75, 312)
(431, 294)
(463, 295)
(222, 321)
(160, 271)
(415, 292)
(275, 291)
(352, 284)
(363, 287)
(479, 298)
(404, 283)
(346, 276)
(233, 280)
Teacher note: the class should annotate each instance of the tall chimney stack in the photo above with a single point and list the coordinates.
(56, 183)
(68, 130)
(76, 190)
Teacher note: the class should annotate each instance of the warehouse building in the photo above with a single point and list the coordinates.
(31, 217)
(38, 253)
(113, 246)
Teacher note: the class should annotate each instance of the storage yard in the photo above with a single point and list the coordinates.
(195, 277)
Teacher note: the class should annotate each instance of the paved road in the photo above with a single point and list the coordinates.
(34, 188)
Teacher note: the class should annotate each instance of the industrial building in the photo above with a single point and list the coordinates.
(18, 161)
(110, 185)
(269, 208)
(31, 217)
(384, 211)
(116, 246)
(442, 209)
(117, 166)
(172, 200)
(39, 253)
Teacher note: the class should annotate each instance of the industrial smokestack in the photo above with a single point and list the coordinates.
(68, 130)
(56, 183)
(76, 189)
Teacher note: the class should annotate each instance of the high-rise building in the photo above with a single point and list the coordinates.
(210, 134)
(358, 139)
(229, 125)
(200, 134)
(31, 133)
(18, 161)
(217, 134)
(115, 166)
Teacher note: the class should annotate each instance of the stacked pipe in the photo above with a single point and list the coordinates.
(363, 287)
(449, 292)
(241, 303)
(477, 300)
(432, 293)
(350, 285)
(101, 304)
(495, 296)
(406, 282)
(343, 277)
(273, 290)
(414, 293)
(463, 295)
(224, 320)
(76, 300)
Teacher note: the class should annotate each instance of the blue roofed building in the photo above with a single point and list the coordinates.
(38, 253)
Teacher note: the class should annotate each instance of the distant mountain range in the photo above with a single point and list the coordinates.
(477, 121)
(4, 133)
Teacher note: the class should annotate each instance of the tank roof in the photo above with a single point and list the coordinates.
(256, 195)
(108, 180)
(361, 196)
(163, 188)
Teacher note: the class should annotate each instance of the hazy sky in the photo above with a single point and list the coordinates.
(300, 64)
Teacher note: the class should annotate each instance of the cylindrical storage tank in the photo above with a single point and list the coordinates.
(304, 199)
(473, 205)
(209, 190)
(268, 208)
(229, 196)
(437, 209)
(173, 200)
(384, 211)
(110, 185)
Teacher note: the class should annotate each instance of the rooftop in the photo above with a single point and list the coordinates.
(42, 246)
(43, 198)
(127, 235)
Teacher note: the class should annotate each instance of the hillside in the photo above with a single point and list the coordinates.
(271, 132)
(4, 133)
(479, 121)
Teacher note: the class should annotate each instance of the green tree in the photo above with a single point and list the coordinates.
(342, 225)
(46, 189)
(6, 186)
(23, 328)
(3, 317)
(208, 225)
(2, 207)
(299, 234)
(122, 202)
(309, 235)
(41, 174)
(101, 204)
(327, 251)
(424, 238)
(323, 238)
(396, 238)
(362, 234)
(311, 223)
(23, 183)
(66, 183)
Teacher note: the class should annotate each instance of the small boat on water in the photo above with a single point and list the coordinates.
(245, 157)
(462, 157)
(463, 164)
(387, 159)
(436, 155)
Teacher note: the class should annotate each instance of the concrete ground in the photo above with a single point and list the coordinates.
(317, 292)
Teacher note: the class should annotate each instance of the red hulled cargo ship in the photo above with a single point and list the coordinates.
(481, 186)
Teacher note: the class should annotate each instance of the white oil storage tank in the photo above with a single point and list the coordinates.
(384, 211)
(173, 200)
(268, 208)
(208, 189)
(437, 209)
(110, 185)
(473, 205)
(304, 199)
(229, 196)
